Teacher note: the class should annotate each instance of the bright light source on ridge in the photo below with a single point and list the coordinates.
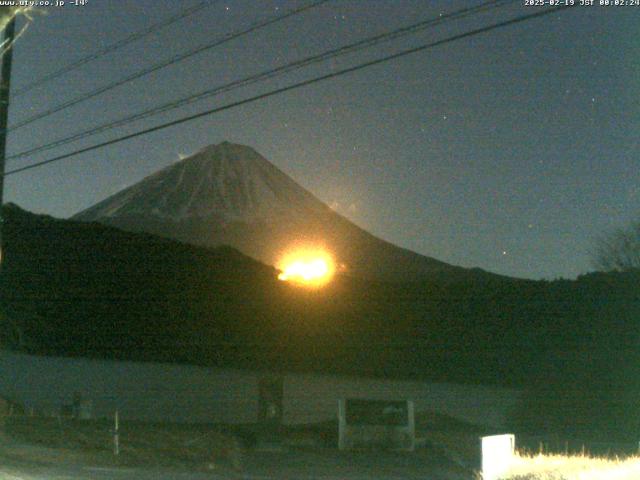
(310, 267)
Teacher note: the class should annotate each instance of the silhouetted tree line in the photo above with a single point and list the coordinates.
(619, 250)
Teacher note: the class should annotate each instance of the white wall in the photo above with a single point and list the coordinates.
(156, 391)
(314, 398)
(144, 391)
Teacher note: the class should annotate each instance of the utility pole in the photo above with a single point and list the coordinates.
(5, 83)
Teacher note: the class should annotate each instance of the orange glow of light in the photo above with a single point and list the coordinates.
(310, 267)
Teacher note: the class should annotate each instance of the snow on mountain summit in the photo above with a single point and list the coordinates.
(233, 182)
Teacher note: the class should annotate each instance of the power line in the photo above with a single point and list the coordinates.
(114, 46)
(294, 86)
(178, 58)
(350, 48)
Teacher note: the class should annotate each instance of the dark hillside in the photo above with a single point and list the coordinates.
(90, 290)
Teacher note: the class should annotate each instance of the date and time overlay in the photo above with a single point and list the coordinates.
(581, 3)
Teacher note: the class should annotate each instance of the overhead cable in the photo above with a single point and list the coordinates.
(294, 86)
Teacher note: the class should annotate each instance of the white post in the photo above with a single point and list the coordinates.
(411, 428)
(116, 435)
(342, 424)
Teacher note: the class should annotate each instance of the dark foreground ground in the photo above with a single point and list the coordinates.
(289, 464)
(34, 448)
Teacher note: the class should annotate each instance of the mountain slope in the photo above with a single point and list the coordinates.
(229, 194)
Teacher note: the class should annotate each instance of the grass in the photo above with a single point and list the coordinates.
(52, 440)
(456, 439)
(572, 467)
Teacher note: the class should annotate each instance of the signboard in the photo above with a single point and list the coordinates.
(364, 423)
(376, 412)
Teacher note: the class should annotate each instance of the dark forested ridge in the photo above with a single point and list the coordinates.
(84, 289)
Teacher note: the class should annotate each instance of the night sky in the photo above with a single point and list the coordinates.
(511, 150)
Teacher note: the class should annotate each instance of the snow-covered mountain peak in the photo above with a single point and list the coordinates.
(232, 182)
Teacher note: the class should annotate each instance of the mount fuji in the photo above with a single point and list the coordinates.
(228, 194)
